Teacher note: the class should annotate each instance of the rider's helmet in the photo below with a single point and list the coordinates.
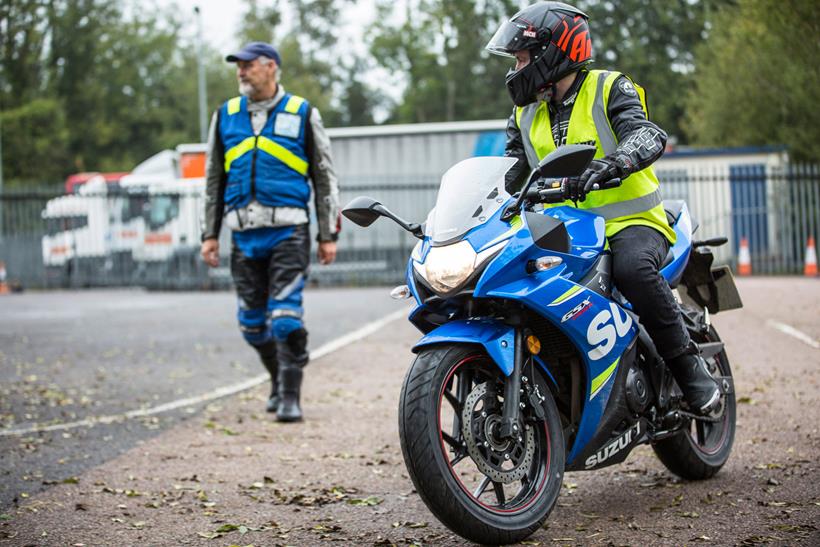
(557, 37)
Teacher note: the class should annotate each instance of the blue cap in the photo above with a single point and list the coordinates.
(252, 50)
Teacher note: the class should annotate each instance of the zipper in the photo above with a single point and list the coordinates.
(253, 167)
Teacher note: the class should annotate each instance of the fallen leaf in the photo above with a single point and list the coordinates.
(370, 500)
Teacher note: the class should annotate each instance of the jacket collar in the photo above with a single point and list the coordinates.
(267, 104)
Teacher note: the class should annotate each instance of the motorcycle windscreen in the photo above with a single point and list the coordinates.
(471, 192)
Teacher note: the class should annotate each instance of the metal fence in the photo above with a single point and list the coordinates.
(152, 240)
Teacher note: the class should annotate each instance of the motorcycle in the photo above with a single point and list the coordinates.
(531, 363)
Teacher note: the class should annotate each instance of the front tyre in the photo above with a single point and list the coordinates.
(699, 451)
(485, 488)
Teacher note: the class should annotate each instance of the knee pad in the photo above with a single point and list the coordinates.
(284, 326)
(252, 324)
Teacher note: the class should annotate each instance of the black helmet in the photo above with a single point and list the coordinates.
(557, 37)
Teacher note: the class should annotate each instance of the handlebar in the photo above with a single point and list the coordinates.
(555, 194)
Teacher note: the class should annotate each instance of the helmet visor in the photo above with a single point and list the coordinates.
(510, 37)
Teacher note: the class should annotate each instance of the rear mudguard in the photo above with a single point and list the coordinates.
(496, 337)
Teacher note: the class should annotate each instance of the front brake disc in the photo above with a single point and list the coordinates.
(502, 460)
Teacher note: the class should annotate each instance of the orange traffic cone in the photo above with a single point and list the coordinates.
(4, 286)
(810, 269)
(744, 259)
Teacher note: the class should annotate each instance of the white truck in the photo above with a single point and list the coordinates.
(142, 230)
(77, 242)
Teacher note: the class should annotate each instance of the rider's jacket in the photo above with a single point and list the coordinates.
(638, 200)
(271, 167)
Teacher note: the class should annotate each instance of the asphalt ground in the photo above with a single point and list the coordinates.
(230, 475)
(68, 356)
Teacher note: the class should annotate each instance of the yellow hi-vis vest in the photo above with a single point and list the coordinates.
(638, 200)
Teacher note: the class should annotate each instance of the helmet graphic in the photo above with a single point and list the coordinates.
(557, 37)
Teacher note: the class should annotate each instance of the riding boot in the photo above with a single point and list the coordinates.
(700, 389)
(293, 356)
(290, 383)
(267, 353)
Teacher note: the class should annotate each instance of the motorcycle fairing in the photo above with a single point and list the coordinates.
(682, 248)
(599, 328)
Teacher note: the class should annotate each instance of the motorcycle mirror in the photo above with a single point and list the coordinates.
(362, 211)
(566, 161)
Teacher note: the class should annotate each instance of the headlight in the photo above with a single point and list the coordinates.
(446, 268)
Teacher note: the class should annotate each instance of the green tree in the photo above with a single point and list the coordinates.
(654, 43)
(757, 78)
(35, 143)
(439, 48)
(23, 33)
(259, 23)
(357, 100)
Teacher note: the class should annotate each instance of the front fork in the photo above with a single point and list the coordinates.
(512, 391)
(517, 385)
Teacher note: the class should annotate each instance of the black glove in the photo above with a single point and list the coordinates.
(598, 172)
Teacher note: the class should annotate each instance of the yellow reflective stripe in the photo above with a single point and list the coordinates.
(236, 151)
(600, 381)
(293, 104)
(284, 155)
(234, 105)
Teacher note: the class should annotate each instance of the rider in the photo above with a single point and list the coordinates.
(558, 100)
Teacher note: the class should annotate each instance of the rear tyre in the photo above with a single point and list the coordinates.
(485, 488)
(701, 448)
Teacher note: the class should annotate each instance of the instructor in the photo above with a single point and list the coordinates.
(264, 147)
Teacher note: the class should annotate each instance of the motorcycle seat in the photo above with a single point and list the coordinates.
(673, 208)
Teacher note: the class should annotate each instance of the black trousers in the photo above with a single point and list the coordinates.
(269, 268)
(637, 255)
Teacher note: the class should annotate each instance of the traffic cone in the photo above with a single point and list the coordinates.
(810, 269)
(744, 259)
(4, 286)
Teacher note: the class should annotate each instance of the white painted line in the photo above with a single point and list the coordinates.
(791, 331)
(325, 349)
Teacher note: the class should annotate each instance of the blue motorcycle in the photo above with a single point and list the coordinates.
(531, 362)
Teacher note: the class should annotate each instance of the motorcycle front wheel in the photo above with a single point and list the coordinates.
(485, 487)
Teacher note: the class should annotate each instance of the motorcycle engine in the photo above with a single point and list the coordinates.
(637, 390)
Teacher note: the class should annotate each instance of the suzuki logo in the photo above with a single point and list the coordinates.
(605, 329)
(614, 447)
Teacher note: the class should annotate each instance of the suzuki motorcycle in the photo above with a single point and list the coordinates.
(532, 363)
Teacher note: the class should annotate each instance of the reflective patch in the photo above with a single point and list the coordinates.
(234, 105)
(287, 125)
(627, 88)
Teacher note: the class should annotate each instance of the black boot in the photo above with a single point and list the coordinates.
(293, 356)
(700, 389)
(267, 353)
(290, 384)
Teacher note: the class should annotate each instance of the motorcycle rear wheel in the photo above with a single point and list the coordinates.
(699, 450)
(508, 495)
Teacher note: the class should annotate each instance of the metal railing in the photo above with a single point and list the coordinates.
(152, 240)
